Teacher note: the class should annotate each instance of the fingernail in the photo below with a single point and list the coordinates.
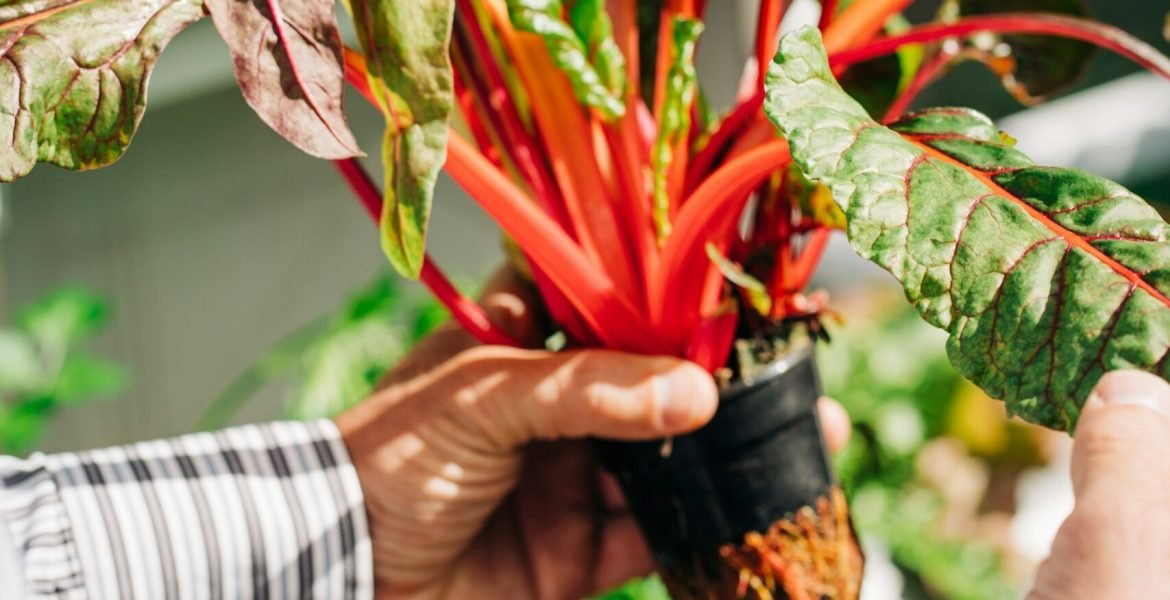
(1133, 388)
(676, 393)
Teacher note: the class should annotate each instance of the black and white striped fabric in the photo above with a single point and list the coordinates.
(260, 511)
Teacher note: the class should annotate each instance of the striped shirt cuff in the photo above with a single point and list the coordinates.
(259, 511)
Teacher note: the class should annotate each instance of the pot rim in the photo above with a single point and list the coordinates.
(773, 369)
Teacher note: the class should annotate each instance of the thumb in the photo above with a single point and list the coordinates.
(591, 393)
(1122, 433)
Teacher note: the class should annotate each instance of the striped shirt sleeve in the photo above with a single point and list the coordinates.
(259, 511)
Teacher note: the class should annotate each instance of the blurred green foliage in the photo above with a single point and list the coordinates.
(334, 362)
(893, 377)
(44, 366)
(650, 588)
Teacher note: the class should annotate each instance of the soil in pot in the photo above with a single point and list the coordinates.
(746, 507)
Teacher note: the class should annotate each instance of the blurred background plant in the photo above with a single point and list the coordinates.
(45, 367)
(335, 361)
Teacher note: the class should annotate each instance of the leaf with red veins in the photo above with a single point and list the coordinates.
(287, 57)
(73, 77)
(1044, 277)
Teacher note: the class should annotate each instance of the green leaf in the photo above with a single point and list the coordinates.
(22, 426)
(1031, 67)
(650, 588)
(63, 318)
(757, 292)
(287, 58)
(679, 93)
(344, 367)
(73, 76)
(82, 377)
(584, 51)
(592, 24)
(20, 366)
(405, 43)
(1045, 278)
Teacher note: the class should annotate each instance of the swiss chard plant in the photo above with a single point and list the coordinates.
(648, 222)
(580, 127)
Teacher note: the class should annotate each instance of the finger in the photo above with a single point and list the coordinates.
(527, 395)
(835, 423)
(510, 303)
(1122, 432)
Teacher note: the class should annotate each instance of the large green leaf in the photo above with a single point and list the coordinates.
(287, 58)
(405, 43)
(584, 51)
(1033, 66)
(1044, 277)
(73, 76)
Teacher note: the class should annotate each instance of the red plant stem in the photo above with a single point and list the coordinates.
(504, 115)
(598, 300)
(469, 43)
(700, 166)
(662, 58)
(859, 22)
(586, 287)
(828, 11)
(573, 153)
(768, 23)
(622, 138)
(711, 343)
(767, 218)
(1103, 35)
(709, 215)
(927, 73)
(809, 258)
(355, 73)
(469, 314)
(626, 144)
(782, 271)
(471, 116)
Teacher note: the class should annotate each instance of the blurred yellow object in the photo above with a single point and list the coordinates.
(978, 421)
(982, 425)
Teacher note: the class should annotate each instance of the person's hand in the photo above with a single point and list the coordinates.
(1116, 542)
(469, 495)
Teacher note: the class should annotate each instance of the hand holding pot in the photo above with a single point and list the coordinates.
(468, 495)
(1116, 542)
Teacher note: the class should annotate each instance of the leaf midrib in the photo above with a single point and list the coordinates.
(36, 17)
(1071, 238)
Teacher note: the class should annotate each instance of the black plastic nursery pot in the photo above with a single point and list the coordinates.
(748, 506)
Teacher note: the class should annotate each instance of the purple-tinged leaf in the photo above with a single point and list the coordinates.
(73, 77)
(287, 56)
(1045, 278)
